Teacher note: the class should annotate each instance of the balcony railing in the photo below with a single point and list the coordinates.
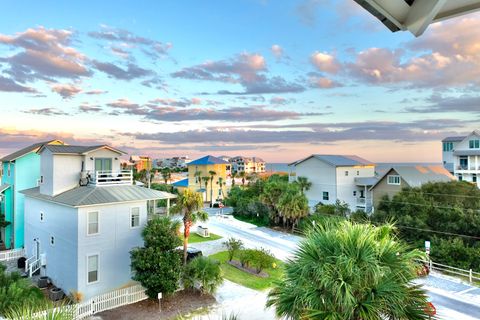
(364, 202)
(466, 167)
(109, 177)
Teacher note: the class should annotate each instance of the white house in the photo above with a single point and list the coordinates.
(465, 155)
(84, 219)
(343, 177)
(449, 144)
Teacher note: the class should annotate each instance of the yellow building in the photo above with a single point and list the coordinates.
(201, 179)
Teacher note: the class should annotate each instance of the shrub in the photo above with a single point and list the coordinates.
(258, 259)
(204, 271)
(233, 245)
(246, 257)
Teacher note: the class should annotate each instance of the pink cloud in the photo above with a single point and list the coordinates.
(325, 62)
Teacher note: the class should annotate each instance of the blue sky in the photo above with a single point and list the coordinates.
(276, 79)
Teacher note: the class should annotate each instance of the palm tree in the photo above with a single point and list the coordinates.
(293, 205)
(242, 175)
(212, 174)
(189, 203)
(205, 180)
(197, 176)
(350, 271)
(234, 175)
(221, 184)
(304, 184)
(166, 174)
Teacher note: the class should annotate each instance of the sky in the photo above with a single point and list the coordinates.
(275, 79)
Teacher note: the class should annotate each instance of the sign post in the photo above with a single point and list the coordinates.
(427, 248)
(159, 296)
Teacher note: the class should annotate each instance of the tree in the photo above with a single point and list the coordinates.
(204, 271)
(198, 177)
(242, 175)
(293, 205)
(221, 184)
(233, 246)
(166, 174)
(234, 175)
(189, 204)
(350, 271)
(272, 191)
(158, 264)
(304, 184)
(212, 175)
(205, 180)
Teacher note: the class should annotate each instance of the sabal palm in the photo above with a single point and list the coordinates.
(304, 184)
(234, 175)
(205, 180)
(350, 272)
(212, 175)
(189, 204)
(221, 183)
(242, 175)
(293, 205)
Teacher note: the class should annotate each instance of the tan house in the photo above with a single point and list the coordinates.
(404, 176)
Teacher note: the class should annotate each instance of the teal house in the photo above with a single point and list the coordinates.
(20, 170)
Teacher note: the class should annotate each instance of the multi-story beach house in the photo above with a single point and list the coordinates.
(84, 218)
(247, 165)
(337, 177)
(463, 154)
(20, 170)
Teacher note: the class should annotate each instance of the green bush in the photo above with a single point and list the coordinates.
(158, 264)
(258, 259)
(204, 271)
(233, 245)
(246, 257)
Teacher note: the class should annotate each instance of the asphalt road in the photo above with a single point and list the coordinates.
(449, 304)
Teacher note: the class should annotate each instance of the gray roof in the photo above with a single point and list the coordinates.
(417, 175)
(453, 139)
(4, 187)
(24, 151)
(87, 196)
(67, 149)
(473, 152)
(337, 160)
(366, 181)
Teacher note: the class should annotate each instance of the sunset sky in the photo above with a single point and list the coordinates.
(275, 79)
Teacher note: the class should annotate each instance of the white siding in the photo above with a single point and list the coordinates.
(322, 177)
(66, 172)
(113, 244)
(61, 222)
(102, 153)
(346, 184)
(46, 170)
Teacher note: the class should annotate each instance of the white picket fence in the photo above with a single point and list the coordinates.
(456, 272)
(11, 254)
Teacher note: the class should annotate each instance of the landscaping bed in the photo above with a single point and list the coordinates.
(182, 302)
(248, 279)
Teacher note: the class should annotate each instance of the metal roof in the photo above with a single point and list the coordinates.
(67, 149)
(181, 183)
(208, 160)
(417, 175)
(366, 181)
(4, 187)
(454, 139)
(473, 152)
(337, 160)
(25, 151)
(88, 196)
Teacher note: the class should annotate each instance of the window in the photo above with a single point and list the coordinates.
(92, 222)
(92, 269)
(393, 179)
(358, 173)
(460, 177)
(52, 241)
(474, 144)
(325, 195)
(42, 216)
(463, 162)
(447, 146)
(103, 164)
(135, 217)
(346, 173)
(474, 178)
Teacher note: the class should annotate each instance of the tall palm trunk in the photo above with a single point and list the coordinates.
(186, 234)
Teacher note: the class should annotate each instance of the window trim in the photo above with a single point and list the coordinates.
(131, 217)
(394, 176)
(98, 268)
(88, 223)
(327, 194)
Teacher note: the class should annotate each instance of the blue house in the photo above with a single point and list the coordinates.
(20, 171)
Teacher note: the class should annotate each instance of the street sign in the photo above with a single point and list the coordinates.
(427, 247)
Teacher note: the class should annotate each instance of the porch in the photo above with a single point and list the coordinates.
(110, 177)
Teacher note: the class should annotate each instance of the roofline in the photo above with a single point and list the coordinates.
(381, 178)
(295, 163)
(37, 149)
(84, 153)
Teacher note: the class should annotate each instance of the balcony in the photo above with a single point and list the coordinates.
(467, 168)
(110, 178)
(364, 202)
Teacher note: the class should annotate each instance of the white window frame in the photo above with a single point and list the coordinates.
(131, 218)
(323, 196)
(391, 179)
(88, 223)
(98, 268)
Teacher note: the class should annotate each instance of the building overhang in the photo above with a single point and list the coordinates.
(4, 187)
(416, 15)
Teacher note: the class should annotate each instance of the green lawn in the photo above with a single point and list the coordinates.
(194, 238)
(246, 279)
(252, 220)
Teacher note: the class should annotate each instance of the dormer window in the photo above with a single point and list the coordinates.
(447, 146)
(474, 144)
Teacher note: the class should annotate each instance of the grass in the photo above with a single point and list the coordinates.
(195, 238)
(253, 220)
(246, 279)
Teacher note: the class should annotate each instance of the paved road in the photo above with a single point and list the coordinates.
(446, 295)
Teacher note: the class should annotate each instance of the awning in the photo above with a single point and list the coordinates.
(4, 187)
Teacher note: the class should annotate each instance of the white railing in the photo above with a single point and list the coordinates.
(107, 301)
(34, 267)
(362, 202)
(442, 268)
(11, 254)
(28, 261)
(109, 177)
